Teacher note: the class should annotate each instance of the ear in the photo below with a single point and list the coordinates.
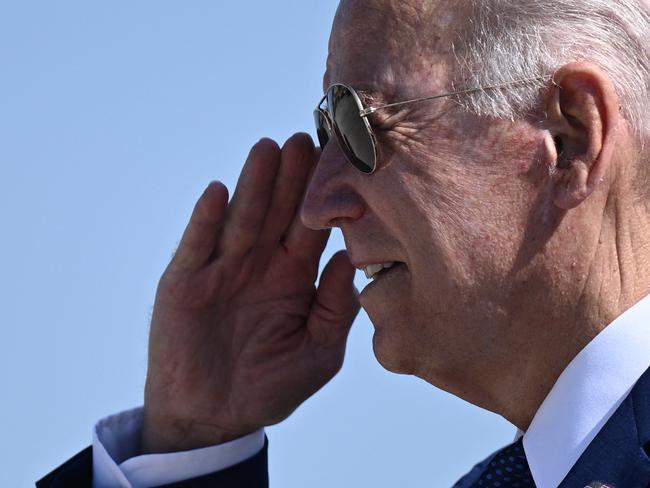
(583, 114)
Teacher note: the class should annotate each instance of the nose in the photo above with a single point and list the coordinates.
(331, 196)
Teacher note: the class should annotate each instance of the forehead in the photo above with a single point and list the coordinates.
(391, 47)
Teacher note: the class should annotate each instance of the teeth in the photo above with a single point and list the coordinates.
(372, 270)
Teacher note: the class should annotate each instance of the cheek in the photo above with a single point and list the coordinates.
(460, 214)
(458, 248)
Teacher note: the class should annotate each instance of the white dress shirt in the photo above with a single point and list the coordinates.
(116, 463)
(586, 395)
(583, 399)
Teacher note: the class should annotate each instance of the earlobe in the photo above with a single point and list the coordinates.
(582, 114)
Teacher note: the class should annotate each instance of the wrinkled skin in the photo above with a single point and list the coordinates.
(512, 264)
(514, 254)
(239, 335)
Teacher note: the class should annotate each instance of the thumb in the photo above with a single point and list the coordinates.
(336, 303)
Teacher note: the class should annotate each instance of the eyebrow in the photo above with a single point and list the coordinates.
(370, 96)
(367, 97)
(368, 93)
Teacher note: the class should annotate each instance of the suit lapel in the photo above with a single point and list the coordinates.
(618, 456)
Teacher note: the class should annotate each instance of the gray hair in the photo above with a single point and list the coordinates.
(506, 40)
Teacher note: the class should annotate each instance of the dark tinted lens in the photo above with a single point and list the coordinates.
(322, 128)
(351, 129)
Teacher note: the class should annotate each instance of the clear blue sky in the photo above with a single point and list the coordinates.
(113, 118)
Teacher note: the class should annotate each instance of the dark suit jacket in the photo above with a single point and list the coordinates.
(619, 456)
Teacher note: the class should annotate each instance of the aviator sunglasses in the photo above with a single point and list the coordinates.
(342, 112)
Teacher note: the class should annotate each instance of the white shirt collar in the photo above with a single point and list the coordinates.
(586, 395)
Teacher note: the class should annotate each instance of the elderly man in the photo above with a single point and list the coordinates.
(487, 162)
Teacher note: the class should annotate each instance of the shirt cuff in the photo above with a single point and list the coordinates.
(116, 463)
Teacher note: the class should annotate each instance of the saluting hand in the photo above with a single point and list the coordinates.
(240, 336)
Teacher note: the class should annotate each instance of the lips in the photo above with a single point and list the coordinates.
(396, 277)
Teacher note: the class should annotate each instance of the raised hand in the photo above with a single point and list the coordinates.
(240, 336)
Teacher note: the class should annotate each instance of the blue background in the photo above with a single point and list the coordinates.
(113, 118)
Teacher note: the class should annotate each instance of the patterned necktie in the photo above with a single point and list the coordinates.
(507, 469)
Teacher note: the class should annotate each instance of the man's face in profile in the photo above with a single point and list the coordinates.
(449, 198)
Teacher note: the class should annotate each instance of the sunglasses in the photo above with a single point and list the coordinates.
(341, 111)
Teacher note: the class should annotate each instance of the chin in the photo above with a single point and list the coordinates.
(392, 356)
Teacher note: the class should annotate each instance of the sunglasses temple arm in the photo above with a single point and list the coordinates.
(371, 110)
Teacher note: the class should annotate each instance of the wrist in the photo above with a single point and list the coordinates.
(163, 435)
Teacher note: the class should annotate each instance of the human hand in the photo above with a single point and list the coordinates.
(239, 335)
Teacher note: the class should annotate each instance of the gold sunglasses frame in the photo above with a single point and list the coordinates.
(364, 113)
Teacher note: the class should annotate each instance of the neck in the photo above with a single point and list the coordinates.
(591, 288)
(590, 272)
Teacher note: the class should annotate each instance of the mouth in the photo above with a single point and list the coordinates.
(382, 273)
(374, 271)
